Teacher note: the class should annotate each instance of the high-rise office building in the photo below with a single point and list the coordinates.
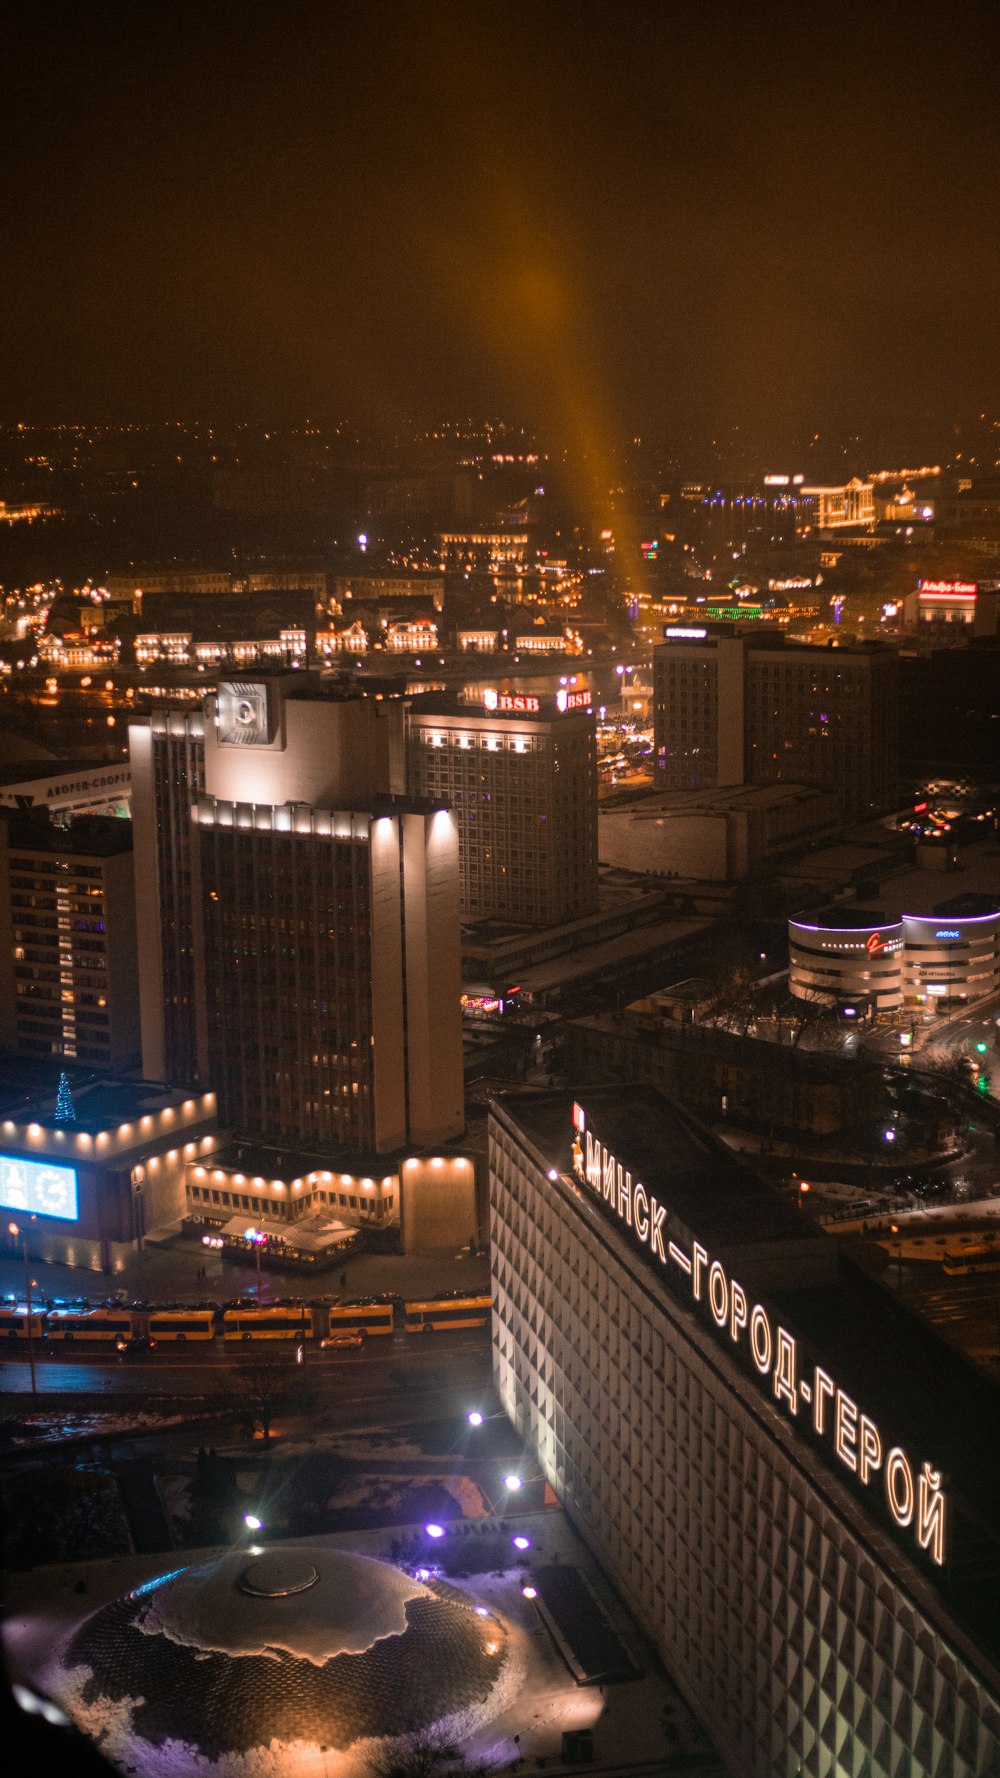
(790, 1480)
(322, 908)
(168, 773)
(736, 709)
(68, 961)
(521, 776)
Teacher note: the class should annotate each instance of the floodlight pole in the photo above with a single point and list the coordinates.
(20, 1236)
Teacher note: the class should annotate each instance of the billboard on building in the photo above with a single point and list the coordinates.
(38, 1188)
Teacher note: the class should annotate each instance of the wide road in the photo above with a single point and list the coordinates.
(947, 1039)
(214, 1369)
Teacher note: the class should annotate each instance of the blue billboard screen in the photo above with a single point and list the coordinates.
(38, 1188)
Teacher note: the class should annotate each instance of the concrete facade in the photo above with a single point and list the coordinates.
(821, 1619)
(523, 786)
(744, 709)
(716, 836)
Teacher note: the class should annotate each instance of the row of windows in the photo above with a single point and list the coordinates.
(488, 743)
(277, 1208)
(50, 867)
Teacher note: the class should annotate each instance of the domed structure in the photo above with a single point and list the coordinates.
(256, 1660)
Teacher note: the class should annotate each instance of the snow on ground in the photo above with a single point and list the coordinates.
(56, 1428)
(388, 1493)
(353, 1603)
(929, 1230)
(398, 1451)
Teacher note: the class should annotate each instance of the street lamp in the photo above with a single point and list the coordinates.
(12, 1229)
(257, 1238)
(894, 1229)
(252, 1522)
(476, 1418)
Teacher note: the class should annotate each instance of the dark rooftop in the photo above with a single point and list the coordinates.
(86, 836)
(703, 1182)
(968, 906)
(100, 1101)
(25, 771)
(848, 919)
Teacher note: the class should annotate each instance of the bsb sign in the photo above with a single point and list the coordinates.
(914, 1500)
(511, 701)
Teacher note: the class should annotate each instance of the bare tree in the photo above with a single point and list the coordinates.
(949, 1079)
(264, 1384)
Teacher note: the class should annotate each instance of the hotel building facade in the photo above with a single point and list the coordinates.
(521, 776)
(299, 918)
(791, 1483)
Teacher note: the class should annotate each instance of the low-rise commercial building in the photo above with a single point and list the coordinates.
(950, 606)
(930, 963)
(635, 932)
(722, 1075)
(85, 1191)
(307, 1202)
(717, 835)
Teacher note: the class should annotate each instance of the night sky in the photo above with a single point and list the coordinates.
(589, 216)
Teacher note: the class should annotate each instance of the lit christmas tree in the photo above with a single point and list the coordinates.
(64, 1102)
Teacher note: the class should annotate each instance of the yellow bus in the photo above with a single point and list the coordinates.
(93, 1324)
(285, 1321)
(182, 1324)
(14, 1322)
(960, 1262)
(363, 1315)
(443, 1312)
